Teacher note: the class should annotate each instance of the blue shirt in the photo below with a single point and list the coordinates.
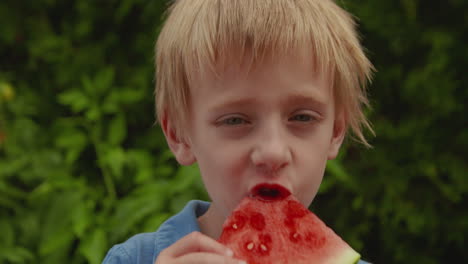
(144, 248)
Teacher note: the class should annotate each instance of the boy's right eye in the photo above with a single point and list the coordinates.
(233, 121)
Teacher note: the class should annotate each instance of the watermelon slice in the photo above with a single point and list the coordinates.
(271, 226)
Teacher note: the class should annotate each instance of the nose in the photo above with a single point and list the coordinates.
(271, 151)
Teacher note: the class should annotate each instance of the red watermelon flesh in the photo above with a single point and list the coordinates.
(273, 227)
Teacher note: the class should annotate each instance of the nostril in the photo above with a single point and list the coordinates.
(270, 169)
(270, 161)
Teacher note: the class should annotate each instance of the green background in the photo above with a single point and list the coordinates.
(82, 167)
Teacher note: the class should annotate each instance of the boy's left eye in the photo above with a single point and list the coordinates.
(302, 118)
(233, 121)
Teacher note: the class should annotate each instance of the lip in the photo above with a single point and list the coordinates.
(269, 191)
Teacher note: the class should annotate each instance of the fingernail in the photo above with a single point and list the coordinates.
(230, 253)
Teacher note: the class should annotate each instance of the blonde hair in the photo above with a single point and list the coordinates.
(199, 35)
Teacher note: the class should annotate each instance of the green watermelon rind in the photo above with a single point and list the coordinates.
(348, 256)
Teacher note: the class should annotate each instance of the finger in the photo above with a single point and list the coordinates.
(197, 242)
(208, 258)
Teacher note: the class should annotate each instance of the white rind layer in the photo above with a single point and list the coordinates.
(349, 256)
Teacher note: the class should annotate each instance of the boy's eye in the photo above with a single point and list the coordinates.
(302, 118)
(233, 121)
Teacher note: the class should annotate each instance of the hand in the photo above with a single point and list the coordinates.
(196, 248)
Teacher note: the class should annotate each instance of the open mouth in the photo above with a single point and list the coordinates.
(270, 192)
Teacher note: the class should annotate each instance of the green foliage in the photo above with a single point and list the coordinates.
(82, 167)
(407, 196)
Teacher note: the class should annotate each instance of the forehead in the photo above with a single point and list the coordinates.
(245, 65)
(288, 79)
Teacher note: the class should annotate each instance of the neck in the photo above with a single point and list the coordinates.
(211, 222)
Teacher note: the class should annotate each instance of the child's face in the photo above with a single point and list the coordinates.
(277, 124)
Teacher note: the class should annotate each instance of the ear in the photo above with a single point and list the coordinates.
(179, 147)
(339, 131)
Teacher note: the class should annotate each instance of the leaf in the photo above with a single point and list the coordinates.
(88, 86)
(104, 80)
(82, 218)
(7, 237)
(123, 9)
(162, 171)
(145, 201)
(152, 222)
(94, 113)
(131, 95)
(9, 203)
(74, 141)
(100, 84)
(15, 255)
(117, 130)
(115, 159)
(56, 232)
(71, 138)
(335, 168)
(75, 99)
(327, 184)
(179, 201)
(185, 177)
(110, 104)
(11, 190)
(94, 246)
(142, 162)
(60, 239)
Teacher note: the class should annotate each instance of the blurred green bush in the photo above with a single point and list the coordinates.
(82, 167)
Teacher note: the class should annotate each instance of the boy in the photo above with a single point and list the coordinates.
(254, 91)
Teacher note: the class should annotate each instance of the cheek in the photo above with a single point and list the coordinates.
(309, 188)
(228, 158)
(311, 165)
(223, 178)
(222, 168)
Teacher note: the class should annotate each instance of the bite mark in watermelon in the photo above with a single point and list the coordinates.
(271, 226)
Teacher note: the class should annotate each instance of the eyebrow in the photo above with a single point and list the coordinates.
(301, 99)
(298, 99)
(233, 103)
